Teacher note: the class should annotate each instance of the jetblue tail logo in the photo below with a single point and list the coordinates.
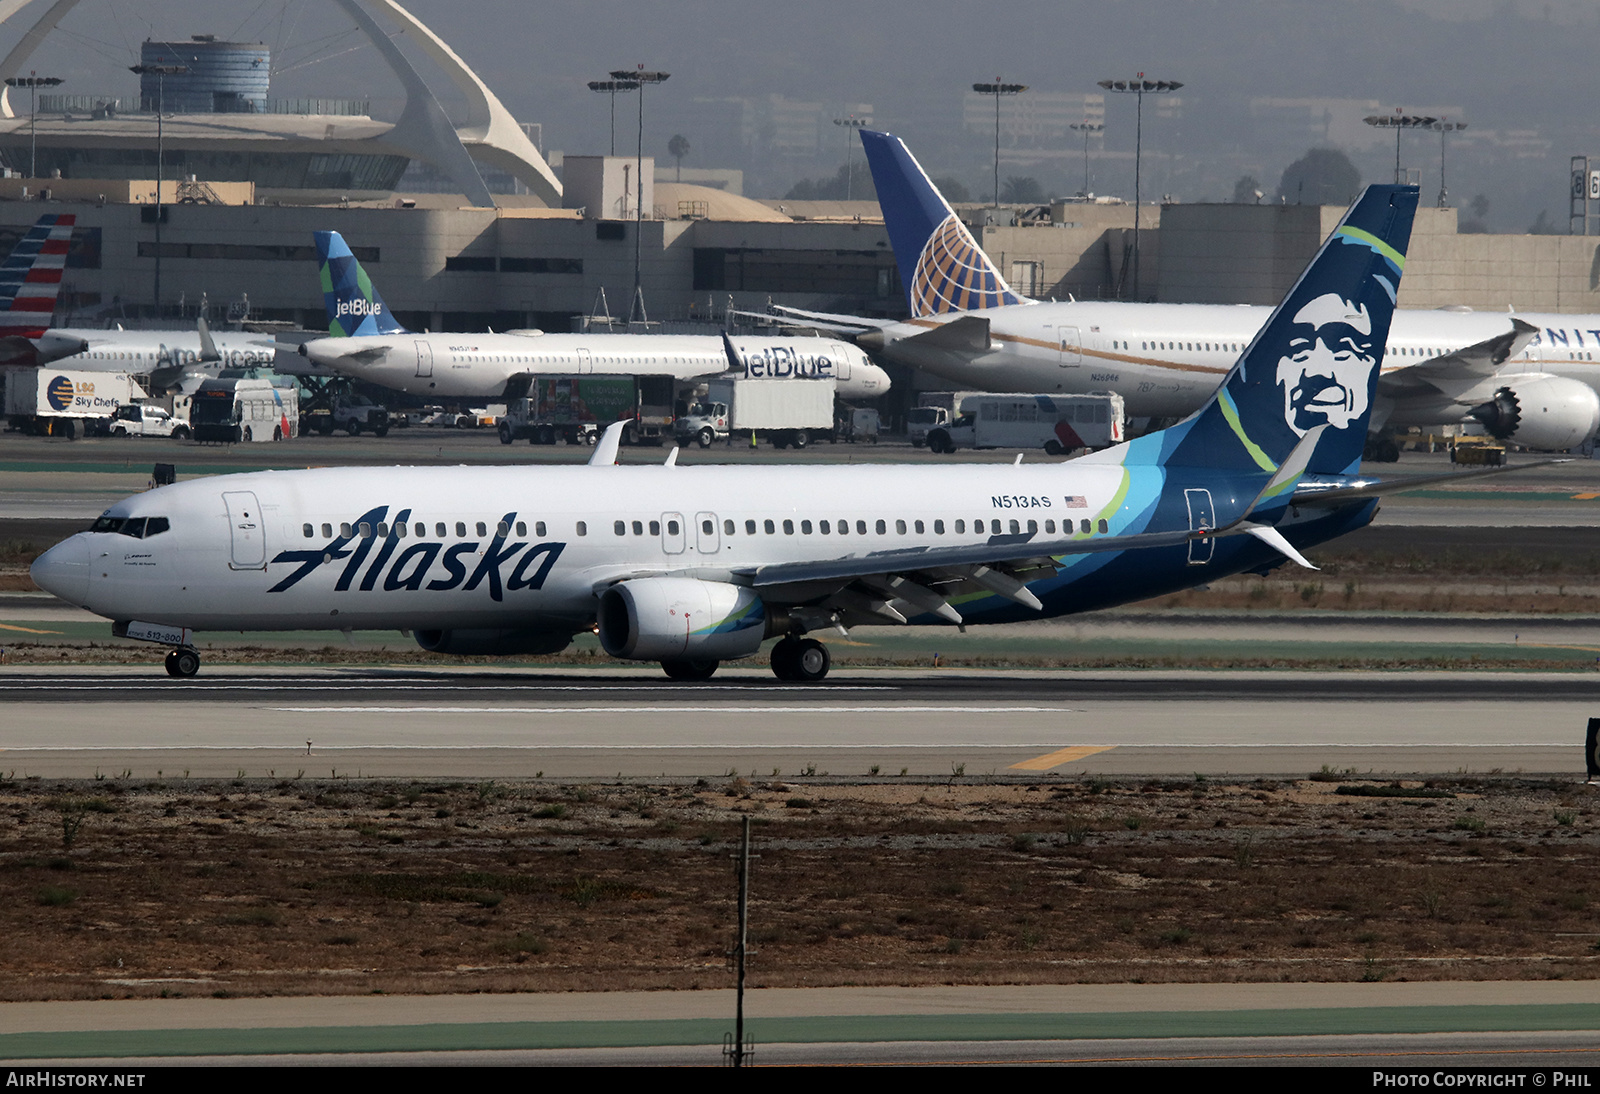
(941, 265)
(353, 303)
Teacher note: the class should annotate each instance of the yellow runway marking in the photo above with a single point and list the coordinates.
(24, 630)
(1554, 646)
(1059, 757)
(1585, 497)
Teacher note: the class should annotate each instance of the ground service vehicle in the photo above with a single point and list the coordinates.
(1056, 423)
(790, 412)
(577, 408)
(62, 402)
(933, 409)
(147, 420)
(230, 411)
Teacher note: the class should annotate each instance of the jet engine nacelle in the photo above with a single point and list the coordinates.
(669, 618)
(492, 643)
(1549, 413)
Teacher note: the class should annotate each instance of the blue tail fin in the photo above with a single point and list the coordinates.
(1315, 362)
(354, 306)
(941, 265)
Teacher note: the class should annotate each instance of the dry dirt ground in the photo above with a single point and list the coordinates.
(116, 888)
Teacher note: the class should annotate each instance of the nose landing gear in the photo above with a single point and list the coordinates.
(183, 662)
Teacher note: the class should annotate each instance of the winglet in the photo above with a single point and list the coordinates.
(734, 363)
(208, 348)
(672, 458)
(605, 452)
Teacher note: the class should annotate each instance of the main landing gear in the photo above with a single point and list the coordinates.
(803, 660)
(183, 661)
(684, 669)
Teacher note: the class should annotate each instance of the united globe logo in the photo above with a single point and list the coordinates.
(61, 392)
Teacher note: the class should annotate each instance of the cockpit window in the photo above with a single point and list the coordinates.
(155, 526)
(133, 527)
(107, 524)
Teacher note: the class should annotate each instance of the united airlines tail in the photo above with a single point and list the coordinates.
(1314, 363)
(30, 277)
(354, 306)
(941, 265)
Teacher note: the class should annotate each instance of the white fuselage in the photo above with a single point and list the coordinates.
(1166, 359)
(479, 366)
(145, 351)
(525, 546)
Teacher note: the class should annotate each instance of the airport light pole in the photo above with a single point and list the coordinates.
(639, 77)
(999, 90)
(1444, 128)
(1138, 87)
(1088, 129)
(33, 82)
(160, 72)
(851, 124)
(1399, 122)
(611, 87)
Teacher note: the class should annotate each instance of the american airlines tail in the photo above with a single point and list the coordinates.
(1315, 363)
(941, 265)
(353, 303)
(30, 277)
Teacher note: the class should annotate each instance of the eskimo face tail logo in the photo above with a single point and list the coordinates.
(1327, 371)
(953, 274)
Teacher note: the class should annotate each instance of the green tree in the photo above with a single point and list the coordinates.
(1323, 176)
(677, 148)
(1022, 190)
(953, 191)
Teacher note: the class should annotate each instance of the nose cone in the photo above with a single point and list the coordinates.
(64, 570)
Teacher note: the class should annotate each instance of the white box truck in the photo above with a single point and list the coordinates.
(790, 412)
(1055, 423)
(63, 403)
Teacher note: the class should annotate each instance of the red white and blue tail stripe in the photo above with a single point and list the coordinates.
(30, 277)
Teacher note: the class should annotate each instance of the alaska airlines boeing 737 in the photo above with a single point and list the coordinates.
(691, 566)
(1528, 378)
(368, 343)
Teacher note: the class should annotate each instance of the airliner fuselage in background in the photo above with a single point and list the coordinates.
(481, 366)
(1531, 378)
(1166, 359)
(366, 341)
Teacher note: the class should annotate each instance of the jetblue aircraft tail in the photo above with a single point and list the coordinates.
(941, 265)
(354, 306)
(1314, 363)
(30, 277)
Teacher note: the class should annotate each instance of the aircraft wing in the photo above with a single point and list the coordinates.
(970, 333)
(1462, 370)
(842, 323)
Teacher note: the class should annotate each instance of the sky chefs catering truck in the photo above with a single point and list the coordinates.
(228, 411)
(62, 403)
(1055, 423)
(790, 412)
(577, 408)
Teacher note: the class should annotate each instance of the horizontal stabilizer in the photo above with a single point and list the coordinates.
(1337, 492)
(970, 333)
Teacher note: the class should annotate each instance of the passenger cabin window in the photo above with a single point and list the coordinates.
(769, 527)
(788, 527)
(672, 528)
(861, 527)
(344, 530)
(620, 527)
(583, 528)
(502, 529)
(383, 529)
(638, 527)
(900, 527)
(439, 530)
(308, 530)
(844, 528)
(1083, 526)
(366, 530)
(399, 531)
(327, 531)
(422, 529)
(538, 528)
(938, 527)
(727, 527)
(822, 526)
(805, 527)
(483, 529)
(961, 527)
(749, 527)
(655, 528)
(1104, 527)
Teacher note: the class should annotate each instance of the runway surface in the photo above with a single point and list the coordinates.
(632, 723)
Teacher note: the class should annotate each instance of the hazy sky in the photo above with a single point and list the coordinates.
(1510, 66)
